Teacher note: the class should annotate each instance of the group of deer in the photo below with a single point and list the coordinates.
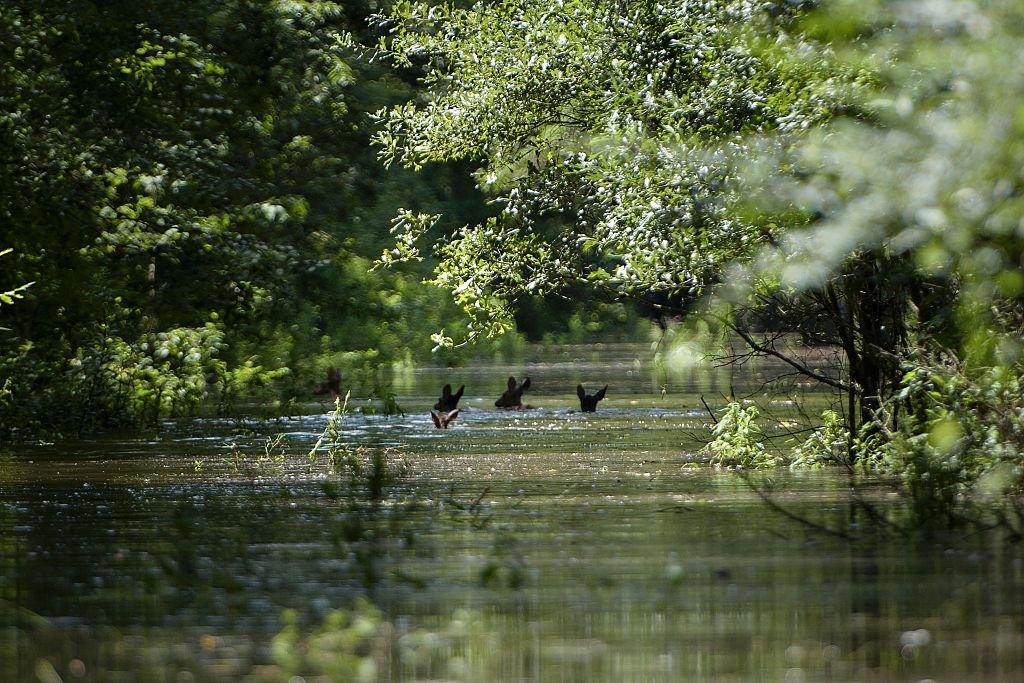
(446, 409)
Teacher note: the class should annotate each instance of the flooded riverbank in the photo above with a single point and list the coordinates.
(539, 545)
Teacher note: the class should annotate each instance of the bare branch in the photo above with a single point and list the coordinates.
(802, 369)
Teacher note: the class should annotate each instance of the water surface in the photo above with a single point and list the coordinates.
(545, 545)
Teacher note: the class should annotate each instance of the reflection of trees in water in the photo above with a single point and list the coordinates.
(865, 610)
(561, 580)
(222, 558)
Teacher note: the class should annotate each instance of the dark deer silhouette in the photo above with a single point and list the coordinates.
(513, 398)
(332, 385)
(449, 401)
(588, 402)
(442, 420)
(446, 407)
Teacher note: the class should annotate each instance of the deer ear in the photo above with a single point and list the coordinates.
(511, 383)
(525, 385)
(600, 395)
(579, 391)
(436, 419)
(446, 391)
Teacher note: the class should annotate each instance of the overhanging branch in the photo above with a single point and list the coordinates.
(799, 367)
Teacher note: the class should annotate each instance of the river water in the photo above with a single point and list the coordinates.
(543, 545)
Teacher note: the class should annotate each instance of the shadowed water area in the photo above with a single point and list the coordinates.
(543, 545)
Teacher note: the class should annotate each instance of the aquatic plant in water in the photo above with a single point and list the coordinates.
(738, 441)
(828, 444)
(951, 440)
(268, 462)
(368, 469)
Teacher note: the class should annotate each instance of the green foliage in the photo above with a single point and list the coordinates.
(906, 236)
(191, 193)
(267, 462)
(10, 295)
(951, 439)
(882, 219)
(168, 164)
(166, 373)
(155, 201)
(738, 440)
(921, 191)
(959, 444)
(388, 401)
(597, 127)
(360, 644)
(407, 227)
(364, 470)
(331, 442)
(828, 444)
(888, 204)
(932, 172)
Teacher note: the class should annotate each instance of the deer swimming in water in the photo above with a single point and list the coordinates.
(446, 407)
(449, 401)
(513, 398)
(332, 385)
(442, 420)
(588, 402)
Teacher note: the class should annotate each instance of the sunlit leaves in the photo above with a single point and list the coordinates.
(936, 174)
(407, 228)
(597, 126)
(159, 163)
(18, 292)
(738, 441)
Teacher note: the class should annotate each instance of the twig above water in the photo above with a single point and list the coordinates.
(708, 408)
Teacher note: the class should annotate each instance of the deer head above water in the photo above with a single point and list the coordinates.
(443, 419)
(331, 385)
(513, 397)
(588, 402)
(449, 401)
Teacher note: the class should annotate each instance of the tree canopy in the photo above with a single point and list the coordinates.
(604, 132)
(191, 189)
